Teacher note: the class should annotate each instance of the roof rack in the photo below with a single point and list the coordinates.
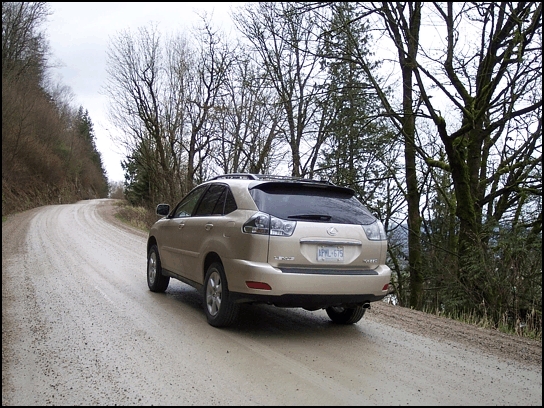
(251, 176)
(248, 176)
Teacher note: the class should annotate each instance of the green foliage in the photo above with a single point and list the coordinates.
(504, 288)
(138, 183)
(355, 134)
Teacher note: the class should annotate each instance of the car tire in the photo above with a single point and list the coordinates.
(156, 281)
(345, 315)
(220, 311)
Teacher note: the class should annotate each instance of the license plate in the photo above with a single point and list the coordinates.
(326, 253)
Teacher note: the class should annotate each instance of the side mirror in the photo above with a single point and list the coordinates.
(163, 209)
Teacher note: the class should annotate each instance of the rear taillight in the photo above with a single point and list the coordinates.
(266, 224)
(375, 231)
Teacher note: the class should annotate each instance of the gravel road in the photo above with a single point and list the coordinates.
(80, 327)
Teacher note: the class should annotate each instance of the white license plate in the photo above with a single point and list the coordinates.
(328, 253)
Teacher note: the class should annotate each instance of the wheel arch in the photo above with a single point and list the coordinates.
(211, 257)
(150, 242)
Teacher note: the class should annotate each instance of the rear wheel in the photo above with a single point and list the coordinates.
(156, 281)
(220, 311)
(345, 315)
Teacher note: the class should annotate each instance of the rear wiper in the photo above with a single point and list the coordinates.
(311, 217)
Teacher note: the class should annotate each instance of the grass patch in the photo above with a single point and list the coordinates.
(138, 217)
(530, 327)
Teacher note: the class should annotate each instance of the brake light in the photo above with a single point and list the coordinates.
(266, 224)
(258, 285)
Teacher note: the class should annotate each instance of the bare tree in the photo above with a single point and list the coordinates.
(402, 22)
(405, 31)
(479, 97)
(23, 66)
(24, 47)
(284, 40)
(494, 150)
(136, 86)
(205, 84)
(469, 110)
(247, 118)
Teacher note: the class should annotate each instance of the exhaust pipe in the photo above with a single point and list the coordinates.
(366, 305)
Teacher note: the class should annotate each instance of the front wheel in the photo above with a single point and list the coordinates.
(345, 315)
(156, 281)
(220, 311)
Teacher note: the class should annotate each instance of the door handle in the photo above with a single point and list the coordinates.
(208, 227)
(181, 225)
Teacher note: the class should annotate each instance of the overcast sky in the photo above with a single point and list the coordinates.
(79, 34)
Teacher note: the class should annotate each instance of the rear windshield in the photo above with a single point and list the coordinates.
(303, 202)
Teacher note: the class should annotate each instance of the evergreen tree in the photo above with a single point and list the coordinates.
(356, 136)
(91, 169)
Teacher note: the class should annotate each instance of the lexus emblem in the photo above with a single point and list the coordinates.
(332, 231)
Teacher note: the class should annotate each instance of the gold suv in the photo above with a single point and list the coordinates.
(290, 242)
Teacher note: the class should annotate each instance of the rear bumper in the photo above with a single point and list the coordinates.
(306, 287)
(312, 302)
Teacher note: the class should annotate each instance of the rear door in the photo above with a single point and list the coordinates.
(329, 235)
(205, 226)
(171, 243)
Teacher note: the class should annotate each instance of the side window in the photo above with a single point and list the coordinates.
(213, 201)
(230, 204)
(187, 205)
(220, 204)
